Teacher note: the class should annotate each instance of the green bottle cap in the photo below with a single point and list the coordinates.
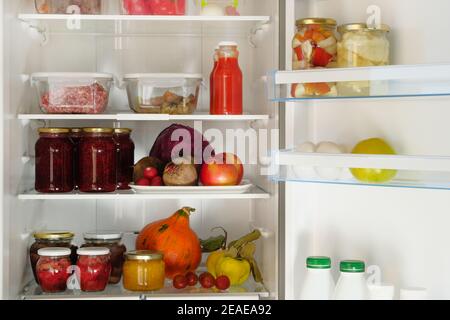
(352, 266)
(318, 263)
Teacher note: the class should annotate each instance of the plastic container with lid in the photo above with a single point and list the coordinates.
(166, 93)
(352, 283)
(94, 264)
(319, 283)
(144, 271)
(68, 6)
(53, 270)
(97, 160)
(363, 46)
(219, 7)
(72, 93)
(112, 241)
(154, 7)
(314, 46)
(125, 157)
(54, 161)
(51, 239)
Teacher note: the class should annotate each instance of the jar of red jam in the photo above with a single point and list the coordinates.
(54, 161)
(51, 239)
(125, 158)
(53, 269)
(97, 160)
(94, 264)
(75, 136)
(112, 241)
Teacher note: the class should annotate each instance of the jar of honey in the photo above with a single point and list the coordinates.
(144, 271)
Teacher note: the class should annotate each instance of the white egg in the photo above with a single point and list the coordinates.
(329, 173)
(302, 172)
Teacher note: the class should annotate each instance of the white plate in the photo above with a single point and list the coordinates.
(244, 187)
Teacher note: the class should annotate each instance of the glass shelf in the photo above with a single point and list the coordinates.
(399, 81)
(413, 172)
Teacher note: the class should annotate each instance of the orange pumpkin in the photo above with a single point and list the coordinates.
(176, 240)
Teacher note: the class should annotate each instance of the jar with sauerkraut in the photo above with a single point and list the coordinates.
(362, 46)
(314, 46)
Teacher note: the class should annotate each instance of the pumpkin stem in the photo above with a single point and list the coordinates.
(186, 211)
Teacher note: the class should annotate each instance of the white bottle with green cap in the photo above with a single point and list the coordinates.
(352, 283)
(319, 283)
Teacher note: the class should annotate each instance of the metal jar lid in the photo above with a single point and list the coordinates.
(54, 235)
(143, 255)
(362, 26)
(321, 21)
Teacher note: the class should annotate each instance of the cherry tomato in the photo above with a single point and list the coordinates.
(156, 182)
(192, 279)
(207, 280)
(150, 173)
(143, 182)
(180, 282)
(223, 283)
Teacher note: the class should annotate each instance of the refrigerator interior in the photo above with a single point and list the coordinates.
(121, 47)
(403, 231)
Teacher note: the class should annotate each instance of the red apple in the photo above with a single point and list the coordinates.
(150, 173)
(224, 169)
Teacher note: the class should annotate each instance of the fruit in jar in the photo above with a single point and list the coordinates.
(94, 272)
(212, 260)
(181, 172)
(150, 173)
(321, 58)
(207, 280)
(52, 273)
(237, 270)
(176, 240)
(373, 146)
(180, 282)
(224, 169)
(143, 164)
(192, 279)
(223, 283)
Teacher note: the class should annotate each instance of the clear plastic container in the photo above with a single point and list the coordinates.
(68, 6)
(154, 7)
(219, 7)
(165, 93)
(72, 93)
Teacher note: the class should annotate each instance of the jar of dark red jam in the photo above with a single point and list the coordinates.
(112, 241)
(53, 269)
(51, 239)
(54, 161)
(94, 266)
(97, 160)
(75, 136)
(125, 158)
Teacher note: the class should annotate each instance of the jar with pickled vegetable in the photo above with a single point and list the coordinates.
(125, 158)
(362, 46)
(94, 264)
(54, 161)
(97, 160)
(51, 239)
(144, 271)
(53, 269)
(314, 46)
(112, 241)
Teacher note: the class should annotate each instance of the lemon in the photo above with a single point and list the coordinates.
(237, 270)
(373, 146)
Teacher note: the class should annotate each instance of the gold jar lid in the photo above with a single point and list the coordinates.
(53, 235)
(321, 21)
(122, 130)
(98, 130)
(144, 255)
(54, 130)
(76, 130)
(362, 26)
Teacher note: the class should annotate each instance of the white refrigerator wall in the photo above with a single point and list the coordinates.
(402, 231)
(121, 48)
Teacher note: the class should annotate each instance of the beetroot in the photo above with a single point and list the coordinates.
(182, 138)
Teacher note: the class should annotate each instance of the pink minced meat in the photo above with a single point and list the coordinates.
(91, 99)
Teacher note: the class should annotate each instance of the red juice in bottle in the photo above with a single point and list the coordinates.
(227, 82)
(211, 78)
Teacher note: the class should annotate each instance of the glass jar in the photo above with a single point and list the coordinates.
(144, 271)
(94, 264)
(53, 269)
(125, 158)
(51, 239)
(314, 46)
(68, 6)
(219, 7)
(112, 241)
(362, 46)
(75, 136)
(97, 160)
(154, 7)
(54, 161)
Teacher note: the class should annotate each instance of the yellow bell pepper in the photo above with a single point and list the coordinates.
(237, 270)
(212, 260)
